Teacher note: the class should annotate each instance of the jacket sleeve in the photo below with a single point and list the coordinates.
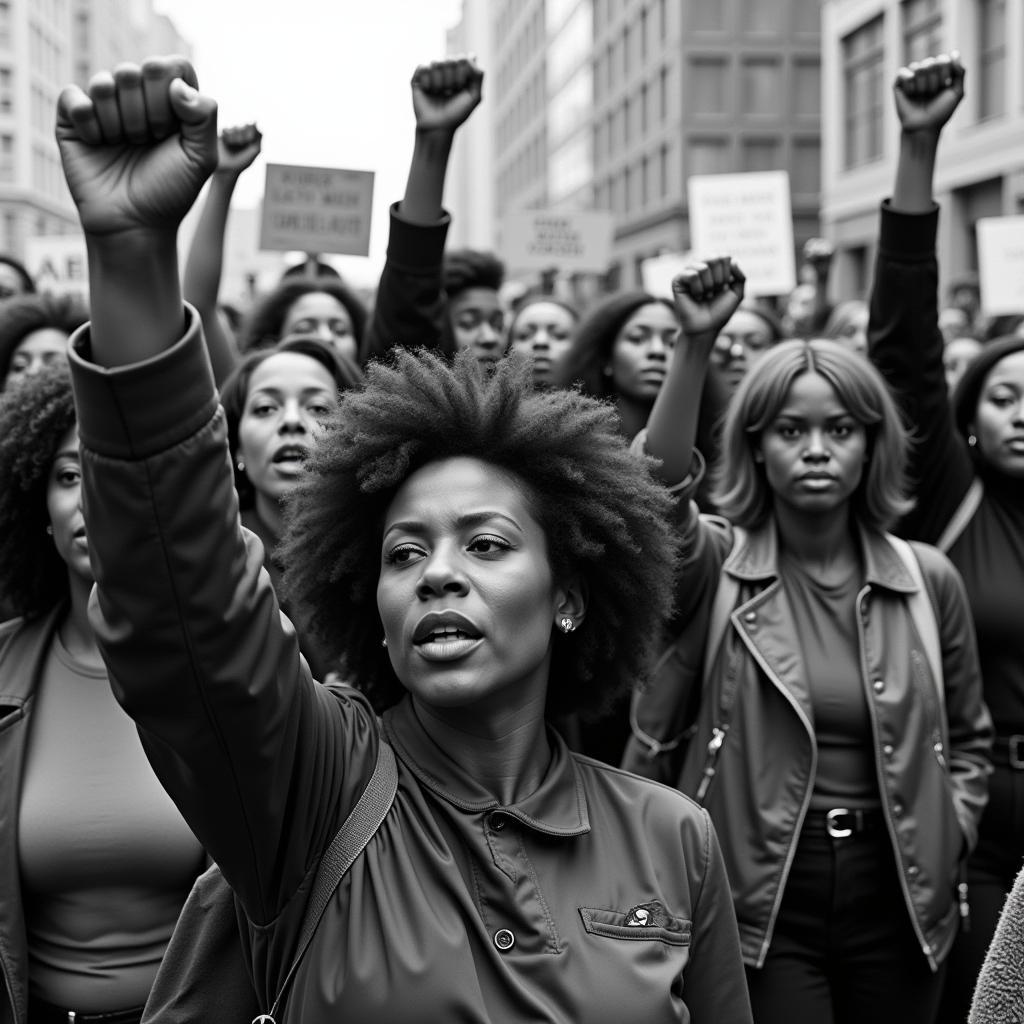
(715, 985)
(905, 343)
(410, 307)
(968, 719)
(261, 761)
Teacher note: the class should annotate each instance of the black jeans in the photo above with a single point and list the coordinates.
(844, 949)
(990, 873)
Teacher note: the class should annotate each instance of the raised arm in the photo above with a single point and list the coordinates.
(410, 305)
(904, 340)
(236, 150)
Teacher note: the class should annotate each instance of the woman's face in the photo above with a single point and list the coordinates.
(642, 352)
(466, 593)
(813, 450)
(35, 351)
(321, 316)
(956, 357)
(999, 418)
(478, 323)
(64, 507)
(542, 332)
(289, 395)
(741, 342)
(854, 331)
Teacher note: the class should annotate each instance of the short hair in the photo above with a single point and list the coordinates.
(22, 315)
(595, 337)
(28, 286)
(234, 392)
(601, 511)
(470, 268)
(35, 414)
(968, 389)
(741, 489)
(262, 327)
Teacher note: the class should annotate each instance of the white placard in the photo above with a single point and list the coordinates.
(317, 210)
(58, 263)
(657, 272)
(558, 240)
(748, 217)
(1001, 264)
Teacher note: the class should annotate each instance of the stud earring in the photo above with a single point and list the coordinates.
(384, 642)
(241, 466)
(49, 530)
(972, 440)
(566, 625)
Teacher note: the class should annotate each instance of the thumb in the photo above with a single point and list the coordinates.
(197, 115)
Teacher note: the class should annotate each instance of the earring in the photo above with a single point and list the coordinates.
(566, 625)
(972, 440)
(49, 530)
(384, 642)
(241, 466)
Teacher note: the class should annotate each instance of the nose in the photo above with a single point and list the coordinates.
(441, 575)
(487, 337)
(816, 448)
(323, 332)
(541, 341)
(293, 418)
(656, 348)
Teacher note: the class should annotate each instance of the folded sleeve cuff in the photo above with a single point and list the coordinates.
(911, 234)
(416, 246)
(140, 409)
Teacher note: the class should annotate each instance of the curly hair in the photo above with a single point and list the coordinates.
(602, 513)
(741, 490)
(35, 414)
(234, 392)
(24, 314)
(470, 268)
(262, 327)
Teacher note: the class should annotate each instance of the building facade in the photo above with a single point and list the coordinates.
(980, 171)
(612, 104)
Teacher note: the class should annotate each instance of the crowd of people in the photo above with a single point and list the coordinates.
(692, 624)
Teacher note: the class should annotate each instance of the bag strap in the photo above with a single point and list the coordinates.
(962, 516)
(350, 840)
(923, 614)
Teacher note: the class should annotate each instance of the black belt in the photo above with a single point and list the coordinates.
(843, 822)
(1008, 751)
(46, 1013)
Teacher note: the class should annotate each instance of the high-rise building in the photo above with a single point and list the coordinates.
(44, 45)
(980, 171)
(612, 104)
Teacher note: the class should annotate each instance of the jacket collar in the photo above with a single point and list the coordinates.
(558, 807)
(755, 556)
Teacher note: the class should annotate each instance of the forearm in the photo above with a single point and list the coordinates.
(204, 266)
(915, 171)
(424, 189)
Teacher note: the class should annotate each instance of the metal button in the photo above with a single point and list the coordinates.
(497, 821)
(750, 617)
(897, 809)
(912, 871)
(878, 685)
(887, 750)
(504, 940)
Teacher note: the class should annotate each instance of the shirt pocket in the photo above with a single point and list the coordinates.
(645, 922)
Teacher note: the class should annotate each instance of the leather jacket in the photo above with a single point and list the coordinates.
(932, 797)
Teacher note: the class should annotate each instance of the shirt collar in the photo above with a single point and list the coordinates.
(558, 807)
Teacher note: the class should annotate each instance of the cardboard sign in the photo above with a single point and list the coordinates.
(748, 217)
(556, 240)
(58, 263)
(657, 272)
(1001, 264)
(317, 210)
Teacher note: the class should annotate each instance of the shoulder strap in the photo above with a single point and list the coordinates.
(356, 831)
(921, 611)
(962, 516)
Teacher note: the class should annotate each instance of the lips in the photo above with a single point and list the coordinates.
(444, 627)
(290, 453)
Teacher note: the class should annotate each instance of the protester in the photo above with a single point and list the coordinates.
(844, 788)
(542, 330)
(237, 148)
(476, 320)
(275, 403)
(751, 331)
(975, 439)
(957, 354)
(508, 550)
(95, 861)
(848, 324)
(34, 332)
(807, 307)
(14, 278)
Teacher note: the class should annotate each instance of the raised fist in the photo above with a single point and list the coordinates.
(707, 294)
(445, 93)
(928, 91)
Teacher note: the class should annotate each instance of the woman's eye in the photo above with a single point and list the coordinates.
(68, 477)
(842, 429)
(340, 329)
(488, 545)
(788, 431)
(302, 327)
(403, 554)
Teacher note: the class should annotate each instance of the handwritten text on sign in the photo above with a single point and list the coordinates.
(317, 209)
(748, 217)
(542, 240)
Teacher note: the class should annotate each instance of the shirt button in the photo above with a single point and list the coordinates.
(497, 822)
(750, 617)
(878, 685)
(887, 750)
(504, 940)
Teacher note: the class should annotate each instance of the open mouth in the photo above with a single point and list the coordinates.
(291, 454)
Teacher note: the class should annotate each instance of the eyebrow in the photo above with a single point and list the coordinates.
(277, 392)
(469, 519)
(67, 453)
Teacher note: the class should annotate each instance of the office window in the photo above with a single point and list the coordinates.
(6, 91)
(709, 83)
(864, 93)
(644, 120)
(762, 87)
(6, 157)
(663, 95)
(663, 171)
(644, 183)
(991, 58)
(805, 167)
(708, 156)
(759, 154)
(806, 100)
(922, 29)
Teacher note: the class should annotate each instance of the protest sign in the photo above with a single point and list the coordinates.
(748, 217)
(1001, 264)
(317, 210)
(58, 263)
(547, 239)
(657, 272)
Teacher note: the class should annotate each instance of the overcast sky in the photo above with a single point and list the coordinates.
(326, 80)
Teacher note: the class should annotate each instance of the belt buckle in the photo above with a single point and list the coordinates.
(1015, 745)
(832, 827)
